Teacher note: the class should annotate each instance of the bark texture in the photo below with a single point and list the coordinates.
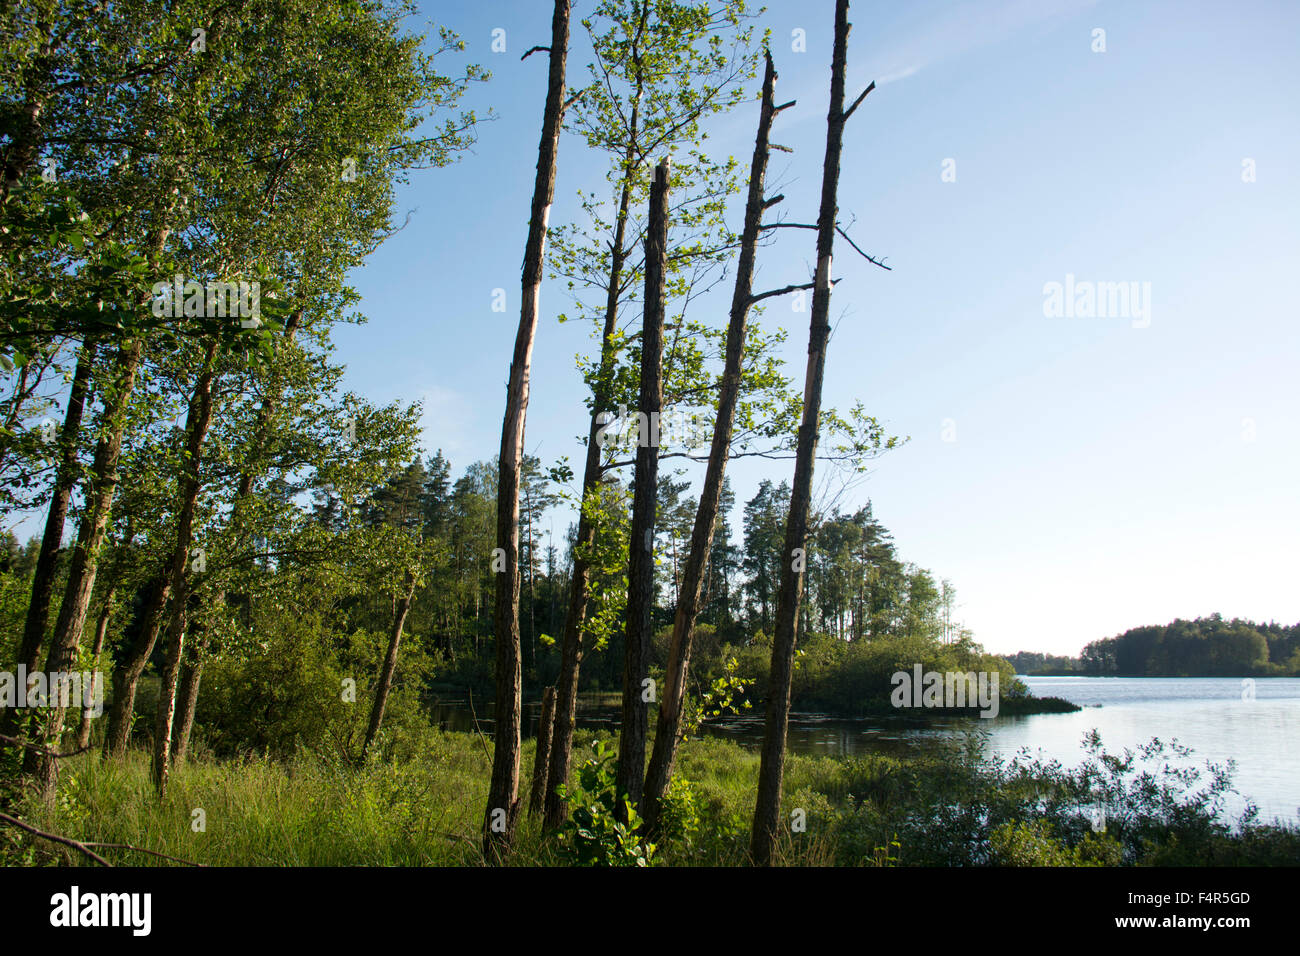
(630, 775)
(767, 808)
(672, 696)
(501, 814)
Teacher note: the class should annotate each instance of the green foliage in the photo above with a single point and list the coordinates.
(724, 694)
(602, 829)
(1033, 844)
(1205, 647)
(679, 814)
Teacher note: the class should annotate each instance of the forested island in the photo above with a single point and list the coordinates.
(1204, 647)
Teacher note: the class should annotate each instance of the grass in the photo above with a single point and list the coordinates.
(419, 802)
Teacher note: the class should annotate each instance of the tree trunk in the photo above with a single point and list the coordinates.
(542, 759)
(187, 697)
(566, 706)
(767, 808)
(640, 571)
(85, 558)
(672, 695)
(501, 813)
(390, 668)
(38, 609)
(126, 675)
(189, 483)
(101, 629)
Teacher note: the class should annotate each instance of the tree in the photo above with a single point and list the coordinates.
(768, 805)
(630, 774)
(501, 815)
(690, 594)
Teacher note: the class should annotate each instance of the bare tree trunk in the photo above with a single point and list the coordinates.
(542, 759)
(672, 695)
(640, 571)
(390, 668)
(199, 418)
(501, 813)
(38, 610)
(767, 808)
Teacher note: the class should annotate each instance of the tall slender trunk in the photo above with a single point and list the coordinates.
(672, 696)
(767, 808)
(501, 813)
(566, 704)
(198, 419)
(389, 669)
(85, 557)
(641, 565)
(38, 609)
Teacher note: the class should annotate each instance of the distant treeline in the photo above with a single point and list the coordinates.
(1206, 647)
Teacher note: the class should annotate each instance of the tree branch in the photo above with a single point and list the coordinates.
(861, 96)
(140, 849)
(54, 838)
(783, 290)
(42, 750)
(873, 261)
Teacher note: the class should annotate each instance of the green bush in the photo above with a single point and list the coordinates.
(594, 834)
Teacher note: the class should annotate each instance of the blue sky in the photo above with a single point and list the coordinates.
(1106, 472)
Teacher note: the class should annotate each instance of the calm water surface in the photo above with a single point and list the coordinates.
(1210, 715)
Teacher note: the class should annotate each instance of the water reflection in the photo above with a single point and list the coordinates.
(1210, 715)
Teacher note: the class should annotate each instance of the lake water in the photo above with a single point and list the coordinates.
(1213, 716)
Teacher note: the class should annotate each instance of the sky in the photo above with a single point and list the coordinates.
(1072, 475)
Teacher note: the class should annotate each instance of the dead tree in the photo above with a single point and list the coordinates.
(767, 808)
(501, 815)
(640, 566)
(672, 695)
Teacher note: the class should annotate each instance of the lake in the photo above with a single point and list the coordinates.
(1218, 718)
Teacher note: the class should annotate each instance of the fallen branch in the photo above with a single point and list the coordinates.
(54, 838)
(140, 849)
(43, 750)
